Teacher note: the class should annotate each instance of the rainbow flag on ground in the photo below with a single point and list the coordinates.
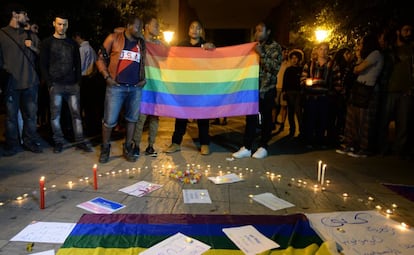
(130, 234)
(189, 82)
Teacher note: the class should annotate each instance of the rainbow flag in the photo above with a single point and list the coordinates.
(130, 234)
(189, 82)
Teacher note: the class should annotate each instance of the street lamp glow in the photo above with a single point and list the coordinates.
(321, 35)
(168, 36)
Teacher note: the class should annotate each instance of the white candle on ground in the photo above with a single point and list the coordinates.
(323, 174)
(319, 170)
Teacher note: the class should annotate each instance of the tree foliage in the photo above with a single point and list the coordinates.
(346, 20)
(95, 18)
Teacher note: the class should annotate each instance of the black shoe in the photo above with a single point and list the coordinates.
(135, 151)
(10, 151)
(105, 151)
(128, 152)
(33, 147)
(58, 148)
(85, 146)
(149, 151)
(216, 122)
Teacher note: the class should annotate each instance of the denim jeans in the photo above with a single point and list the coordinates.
(69, 93)
(118, 96)
(26, 100)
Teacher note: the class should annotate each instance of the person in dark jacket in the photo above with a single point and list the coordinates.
(61, 69)
(17, 58)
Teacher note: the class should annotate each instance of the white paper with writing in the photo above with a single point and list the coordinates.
(249, 240)
(45, 232)
(363, 232)
(178, 244)
(141, 188)
(271, 201)
(49, 252)
(227, 178)
(196, 196)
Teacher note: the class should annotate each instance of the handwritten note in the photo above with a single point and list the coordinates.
(101, 205)
(196, 196)
(228, 178)
(141, 188)
(249, 240)
(272, 201)
(44, 232)
(177, 244)
(364, 232)
(49, 252)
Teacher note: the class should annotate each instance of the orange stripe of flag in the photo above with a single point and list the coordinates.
(195, 52)
(176, 63)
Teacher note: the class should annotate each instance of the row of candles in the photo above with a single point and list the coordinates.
(321, 172)
(42, 185)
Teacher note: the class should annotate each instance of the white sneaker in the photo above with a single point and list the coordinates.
(260, 153)
(242, 153)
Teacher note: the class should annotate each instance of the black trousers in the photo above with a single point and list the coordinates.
(181, 126)
(266, 105)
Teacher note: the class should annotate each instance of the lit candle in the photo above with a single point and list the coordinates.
(319, 170)
(323, 174)
(42, 192)
(95, 177)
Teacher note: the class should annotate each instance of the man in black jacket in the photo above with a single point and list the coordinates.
(61, 69)
(17, 59)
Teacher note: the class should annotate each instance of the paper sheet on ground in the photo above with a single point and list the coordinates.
(49, 252)
(141, 188)
(228, 178)
(249, 240)
(178, 244)
(196, 196)
(363, 232)
(101, 205)
(44, 232)
(271, 201)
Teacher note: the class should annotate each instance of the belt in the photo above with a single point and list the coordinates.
(127, 85)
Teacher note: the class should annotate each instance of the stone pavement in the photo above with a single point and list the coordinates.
(69, 181)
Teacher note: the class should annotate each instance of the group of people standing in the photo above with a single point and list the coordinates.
(57, 64)
(349, 100)
(340, 100)
(126, 92)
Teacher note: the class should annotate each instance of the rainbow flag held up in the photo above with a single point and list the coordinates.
(190, 82)
(130, 234)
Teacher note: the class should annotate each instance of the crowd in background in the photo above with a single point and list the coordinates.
(357, 100)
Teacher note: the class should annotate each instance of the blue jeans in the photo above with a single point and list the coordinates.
(69, 93)
(26, 101)
(118, 96)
